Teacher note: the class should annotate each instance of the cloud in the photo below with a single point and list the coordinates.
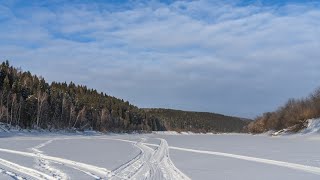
(196, 55)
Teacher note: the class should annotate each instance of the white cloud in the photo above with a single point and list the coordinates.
(239, 60)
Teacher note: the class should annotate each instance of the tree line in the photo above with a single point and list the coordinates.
(201, 122)
(292, 115)
(29, 102)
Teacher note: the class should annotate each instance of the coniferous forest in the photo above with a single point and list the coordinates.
(29, 102)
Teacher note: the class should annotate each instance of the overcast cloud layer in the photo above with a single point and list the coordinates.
(228, 57)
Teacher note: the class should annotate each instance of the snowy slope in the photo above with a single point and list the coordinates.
(313, 127)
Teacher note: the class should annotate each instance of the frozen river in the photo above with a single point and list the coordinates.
(156, 156)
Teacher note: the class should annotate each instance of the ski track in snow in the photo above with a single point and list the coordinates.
(305, 168)
(167, 167)
(300, 167)
(91, 170)
(25, 170)
(44, 164)
(149, 164)
(12, 174)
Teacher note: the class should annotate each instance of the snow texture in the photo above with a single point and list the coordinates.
(157, 156)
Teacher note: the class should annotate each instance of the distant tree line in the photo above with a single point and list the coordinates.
(176, 120)
(292, 115)
(28, 101)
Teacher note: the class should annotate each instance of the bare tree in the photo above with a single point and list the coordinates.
(13, 101)
(3, 111)
(71, 115)
(104, 116)
(19, 111)
(7, 113)
(63, 105)
(41, 98)
(81, 117)
(1, 106)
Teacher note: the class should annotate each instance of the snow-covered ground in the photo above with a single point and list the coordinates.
(160, 156)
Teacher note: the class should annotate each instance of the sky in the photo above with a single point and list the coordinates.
(235, 57)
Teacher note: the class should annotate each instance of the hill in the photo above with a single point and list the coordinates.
(28, 101)
(177, 120)
(293, 116)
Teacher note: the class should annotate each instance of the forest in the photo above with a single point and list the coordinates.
(293, 115)
(200, 122)
(29, 102)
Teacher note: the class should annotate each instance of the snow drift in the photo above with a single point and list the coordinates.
(313, 127)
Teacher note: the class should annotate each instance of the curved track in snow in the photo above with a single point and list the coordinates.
(153, 164)
(44, 165)
(25, 170)
(150, 164)
(295, 166)
(91, 170)
(305, 168)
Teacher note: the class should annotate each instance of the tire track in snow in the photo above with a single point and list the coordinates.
(305, 168)
(45, 164)
(295, 166)
(166, 165)
(150, 164)
(300, 167)
(131, 168)
(25, 170)
(57, 173)
(94, 171)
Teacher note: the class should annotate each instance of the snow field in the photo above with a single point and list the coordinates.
(160, 156)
